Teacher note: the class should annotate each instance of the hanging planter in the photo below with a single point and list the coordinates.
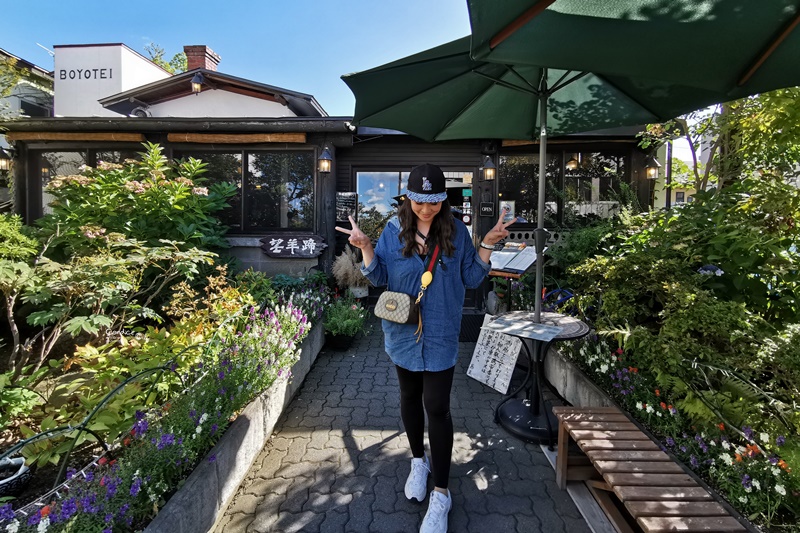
(14, 475)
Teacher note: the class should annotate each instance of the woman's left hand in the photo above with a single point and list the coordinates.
(499, 231)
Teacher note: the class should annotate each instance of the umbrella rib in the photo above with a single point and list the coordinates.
(498, 81)
(558, 85)
(773, 45)
(519, 22)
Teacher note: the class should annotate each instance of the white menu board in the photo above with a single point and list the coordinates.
(494, 358)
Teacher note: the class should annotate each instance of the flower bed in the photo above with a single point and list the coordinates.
(743, 466)
(122, 490)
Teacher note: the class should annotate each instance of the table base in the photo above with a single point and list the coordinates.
(516, 417)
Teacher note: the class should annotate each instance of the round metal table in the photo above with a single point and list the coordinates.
(528, 418)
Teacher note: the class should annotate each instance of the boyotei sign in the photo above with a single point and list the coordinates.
(293, 245)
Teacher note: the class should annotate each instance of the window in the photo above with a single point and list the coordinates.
(579, 186)
(680, 197)
(275, 189)
(376, 191)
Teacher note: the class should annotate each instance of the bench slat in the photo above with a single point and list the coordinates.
(601, 444)
(600, 426)
(638, 509)
(652, 467)
(627, 455)
(687, 494)
(572, 409)
(584, 434)
(650, 480)
(593, 417)
(659, 524)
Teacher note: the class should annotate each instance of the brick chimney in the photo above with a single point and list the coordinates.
(200, 56)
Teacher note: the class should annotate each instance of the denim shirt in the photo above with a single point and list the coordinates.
(441, 306)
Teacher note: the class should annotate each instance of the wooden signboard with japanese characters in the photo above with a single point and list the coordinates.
(293, 245)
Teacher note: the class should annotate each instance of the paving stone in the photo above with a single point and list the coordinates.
(338, 458)
(334, 522)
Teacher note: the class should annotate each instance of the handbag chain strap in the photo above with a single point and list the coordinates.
(427, 278)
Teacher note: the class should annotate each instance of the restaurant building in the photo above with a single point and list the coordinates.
(268, 141)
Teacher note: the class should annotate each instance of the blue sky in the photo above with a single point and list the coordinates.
(301, 45)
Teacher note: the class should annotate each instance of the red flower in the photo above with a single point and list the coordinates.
(721, 426)
(663, 405)
(658, 392)
(102, 461)
(633, 369)
(45, 510)
(619, 351)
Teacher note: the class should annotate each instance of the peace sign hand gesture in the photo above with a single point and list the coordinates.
(357, 237)
(499, 231)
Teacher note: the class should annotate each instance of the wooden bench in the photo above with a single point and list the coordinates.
(621, 459)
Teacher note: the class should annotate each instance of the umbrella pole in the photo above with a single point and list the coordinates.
(540, 234)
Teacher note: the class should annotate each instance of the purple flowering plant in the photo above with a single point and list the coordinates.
(122, 490)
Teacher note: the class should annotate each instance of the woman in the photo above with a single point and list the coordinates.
(425, 367)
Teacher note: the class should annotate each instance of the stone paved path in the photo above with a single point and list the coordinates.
(337, 460)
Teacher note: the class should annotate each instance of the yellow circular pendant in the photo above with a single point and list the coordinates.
(427, 277)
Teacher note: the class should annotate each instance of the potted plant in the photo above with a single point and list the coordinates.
(346, 271)
(345, 318)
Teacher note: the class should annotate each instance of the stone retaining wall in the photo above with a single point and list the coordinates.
(210, 487)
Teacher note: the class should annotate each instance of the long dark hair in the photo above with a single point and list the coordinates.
(443, 229)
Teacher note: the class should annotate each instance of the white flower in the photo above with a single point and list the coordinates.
(650, 409)
(712, 442)
(727, 459)
(44, 523)
(658, 413)
(756, 484)
(203, 418)
(776, 471)
(748, 489)
(13, 527)
(726, 445)
(764, 437)
(780, 490)
(199, 430)
(743, 499)
(639, 406)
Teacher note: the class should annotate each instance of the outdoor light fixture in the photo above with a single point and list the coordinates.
(197, 83)
(572, 164)
(5, 160)
(651, 166)
(324, 161)
(489, 169)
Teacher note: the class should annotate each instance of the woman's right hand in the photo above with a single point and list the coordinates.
(357, 237)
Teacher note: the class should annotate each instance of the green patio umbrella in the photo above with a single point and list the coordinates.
(443, 94)
(732, 47)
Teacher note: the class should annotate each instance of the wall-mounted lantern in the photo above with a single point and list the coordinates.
(5, 160)
(489, 169)
(324, 161)
(197, 83)
(651, 166)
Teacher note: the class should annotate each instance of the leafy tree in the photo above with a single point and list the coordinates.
(757, 135)
(176, 65)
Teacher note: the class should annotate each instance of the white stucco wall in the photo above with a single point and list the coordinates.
(220, 103)
(84, 74)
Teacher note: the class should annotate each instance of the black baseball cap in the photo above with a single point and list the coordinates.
(426, 184)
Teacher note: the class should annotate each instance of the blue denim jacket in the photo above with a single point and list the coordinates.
(441, 305)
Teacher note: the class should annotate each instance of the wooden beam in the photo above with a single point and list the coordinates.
(519, 22)
(773, 45)
(237, 138)
(63, 136)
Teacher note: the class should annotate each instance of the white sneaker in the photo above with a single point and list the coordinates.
(436, 518)
(417, 482)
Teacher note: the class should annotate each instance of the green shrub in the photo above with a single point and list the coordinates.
(148, 200)
(16, 243)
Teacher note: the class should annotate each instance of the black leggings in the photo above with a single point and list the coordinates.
(431, 389)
